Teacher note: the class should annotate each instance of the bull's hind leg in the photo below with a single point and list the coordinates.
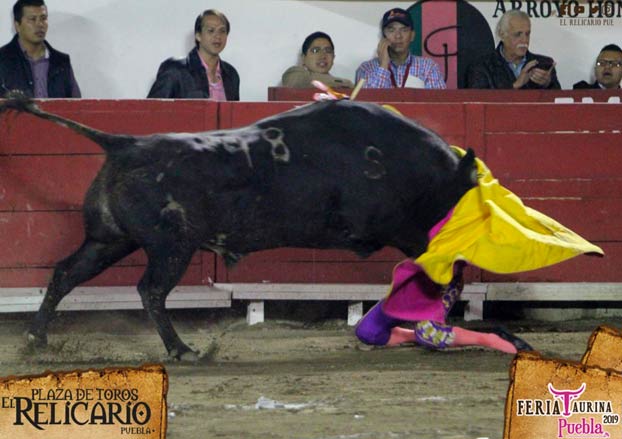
(167, 264)
(88, 261)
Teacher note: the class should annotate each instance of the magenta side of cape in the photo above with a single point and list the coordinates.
(414, 296)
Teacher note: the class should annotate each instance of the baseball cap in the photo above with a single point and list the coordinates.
(399, 15)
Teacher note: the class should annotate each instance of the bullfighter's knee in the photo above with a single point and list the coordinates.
(375, 327)
(373, 336)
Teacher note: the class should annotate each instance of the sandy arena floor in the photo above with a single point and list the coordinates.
(291, 379)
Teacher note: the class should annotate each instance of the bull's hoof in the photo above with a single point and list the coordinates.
(36, 341)
(519, 343)
(188, 356)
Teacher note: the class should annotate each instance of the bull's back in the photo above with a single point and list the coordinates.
(322, 176)
(362, 150)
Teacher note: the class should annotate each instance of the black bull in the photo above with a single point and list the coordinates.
(339, 175)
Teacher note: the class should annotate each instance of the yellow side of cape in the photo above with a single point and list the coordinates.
(492, 229)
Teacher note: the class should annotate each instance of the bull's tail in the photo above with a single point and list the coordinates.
(17, 101)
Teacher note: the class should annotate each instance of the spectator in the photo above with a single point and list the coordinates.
(512, 65)
(202, 74)
(318, 55)
(28, 63)
(395, 67)
(608, 69)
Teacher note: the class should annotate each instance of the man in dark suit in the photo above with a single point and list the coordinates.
(28, 63)
(202, 74)
(607, 70)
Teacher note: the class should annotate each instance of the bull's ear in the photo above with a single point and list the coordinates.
(467, 169)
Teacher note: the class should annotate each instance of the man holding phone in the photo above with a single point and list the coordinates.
(395, 66)
(512, 65)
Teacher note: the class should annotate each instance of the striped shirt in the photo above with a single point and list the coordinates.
(421, 67)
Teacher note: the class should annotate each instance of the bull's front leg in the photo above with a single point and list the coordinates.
(37, 334)
(166, 267)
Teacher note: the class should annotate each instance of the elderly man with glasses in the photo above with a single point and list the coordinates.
(607, 70)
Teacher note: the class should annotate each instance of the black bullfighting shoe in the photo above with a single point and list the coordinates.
(519, 343)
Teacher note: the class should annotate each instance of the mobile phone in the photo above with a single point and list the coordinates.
(545, 63)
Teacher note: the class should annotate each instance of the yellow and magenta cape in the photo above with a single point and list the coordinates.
(490, 228)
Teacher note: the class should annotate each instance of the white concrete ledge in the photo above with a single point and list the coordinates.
(112, 298)
(555, 291)
(474, 294)
(355, 294)
(221, 294)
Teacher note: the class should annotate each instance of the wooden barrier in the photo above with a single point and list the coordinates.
(460, 96)
(562, 159)
(45, 170)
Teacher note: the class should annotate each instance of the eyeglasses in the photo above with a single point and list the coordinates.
(608, 63)
(327, 50)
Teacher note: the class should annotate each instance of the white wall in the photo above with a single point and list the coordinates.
(117, 45)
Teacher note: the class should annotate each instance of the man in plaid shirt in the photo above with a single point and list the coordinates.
(395, 67)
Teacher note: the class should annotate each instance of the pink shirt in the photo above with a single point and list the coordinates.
(216, 89)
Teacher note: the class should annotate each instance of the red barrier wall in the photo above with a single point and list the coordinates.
(561, 159)
(460, 95)
(45, 170)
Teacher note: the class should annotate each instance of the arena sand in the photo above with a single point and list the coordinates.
(291, 379)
